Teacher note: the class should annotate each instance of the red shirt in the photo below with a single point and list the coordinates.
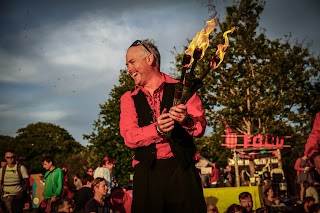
(135, 136)
(313, 141)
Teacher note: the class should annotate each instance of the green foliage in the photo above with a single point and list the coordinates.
(40, 139)
(106, 138)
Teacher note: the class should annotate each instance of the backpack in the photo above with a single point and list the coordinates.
(2, 178)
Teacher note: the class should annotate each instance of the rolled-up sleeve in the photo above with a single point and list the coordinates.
(133, 135)
(196, 111)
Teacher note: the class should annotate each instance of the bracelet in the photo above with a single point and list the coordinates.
(160, 133)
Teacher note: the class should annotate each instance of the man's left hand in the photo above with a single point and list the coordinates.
(179, 113)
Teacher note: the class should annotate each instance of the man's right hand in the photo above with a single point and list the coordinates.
(164, 122)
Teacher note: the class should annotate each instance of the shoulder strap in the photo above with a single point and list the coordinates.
(2, 177)
(19, 171)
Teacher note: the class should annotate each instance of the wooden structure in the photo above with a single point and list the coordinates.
(248, 148)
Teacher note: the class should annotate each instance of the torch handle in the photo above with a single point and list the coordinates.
(190, 77)
(177, 93)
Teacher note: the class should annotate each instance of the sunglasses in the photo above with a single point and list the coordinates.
(10, 157)
(139, 42)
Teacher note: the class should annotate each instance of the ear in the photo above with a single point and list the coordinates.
(150, 59)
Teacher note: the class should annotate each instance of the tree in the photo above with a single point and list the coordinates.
(263, 86)
(5, 143)
(106, 138)
(40, 139)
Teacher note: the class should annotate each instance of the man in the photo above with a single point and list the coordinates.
(305, 206)
(83, 195)
(311, 191)
(312, 146)
(98, 203)
(53, 183)
(14, 180)
(165, 178)
(245, 200)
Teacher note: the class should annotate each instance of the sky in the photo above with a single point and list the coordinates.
(60, 59)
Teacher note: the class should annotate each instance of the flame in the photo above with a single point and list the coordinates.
(201, 40)
(221, 51)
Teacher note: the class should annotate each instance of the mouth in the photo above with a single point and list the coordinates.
(133, 75)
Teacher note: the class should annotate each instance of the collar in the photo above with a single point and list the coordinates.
(164, 79)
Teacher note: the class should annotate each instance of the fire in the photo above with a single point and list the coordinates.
(201, 40)
(221, 51)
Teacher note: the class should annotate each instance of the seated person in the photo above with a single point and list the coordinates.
(277, 206)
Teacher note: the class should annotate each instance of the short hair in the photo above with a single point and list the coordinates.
(308, 199)
(48, 159)
(306, 184)
(105, 159)
(96, 181)
(86, 178)
(267, 190)
(234, 208)
(9, 150)
(60, 203)
(244, 195)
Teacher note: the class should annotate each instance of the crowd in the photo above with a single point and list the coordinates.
(95, 191)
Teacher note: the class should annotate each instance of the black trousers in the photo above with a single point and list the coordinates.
(167, 188)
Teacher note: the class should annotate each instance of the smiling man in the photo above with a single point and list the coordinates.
(165, 178)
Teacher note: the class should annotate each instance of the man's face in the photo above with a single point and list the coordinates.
(90, 171)
(46, 165)
(137, 66)
(10, 158)
(101, 188)
(246, 203)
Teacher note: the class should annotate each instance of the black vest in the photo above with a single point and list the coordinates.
(181, 142)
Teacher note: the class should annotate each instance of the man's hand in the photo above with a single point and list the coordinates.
(164, 122)
(316, 162)
(179, 113)
(54, 198)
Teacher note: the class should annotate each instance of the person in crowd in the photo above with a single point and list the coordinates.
(62, 205)
(90, 171)
(277, 205)
(311, 149)
(84, 194)
(212, 209)
(268, 197)
(66, 189)
(161, 133)
(315, 208)
(98, 203)
(121, 201)
(235, 208)
(303, 166)
(305, 206)
(245, 200)
(105, 171)
(14, 183)
(77, 181)
(229, 176)
(215, 176)
(53, 184)
(310, 191)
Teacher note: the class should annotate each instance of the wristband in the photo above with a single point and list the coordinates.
(160, 133)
